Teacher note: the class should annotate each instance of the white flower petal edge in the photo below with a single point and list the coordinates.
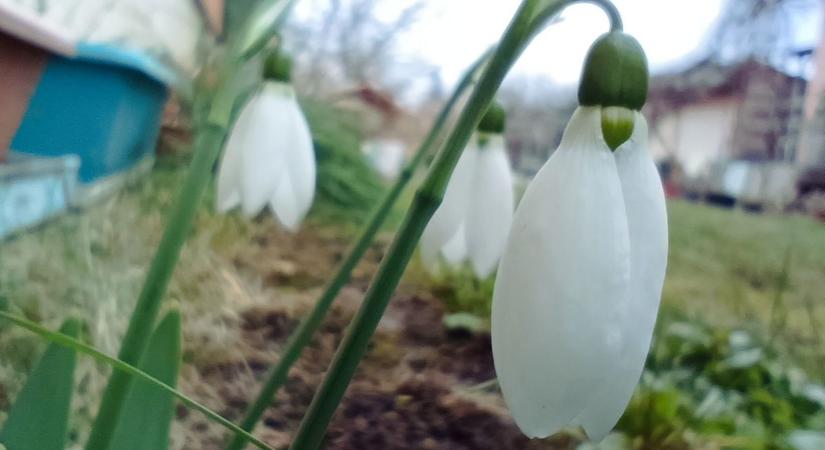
(293, 196)
(647, 221)
(269, 158)
(450, 215)
(253, 159)
(264, 147)
(229, 171)
(455, 250)
(490, 210)
(563, 283)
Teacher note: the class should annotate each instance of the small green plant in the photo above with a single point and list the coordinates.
(348, 187)
(39, 418)
(714, 385)
(463, 292)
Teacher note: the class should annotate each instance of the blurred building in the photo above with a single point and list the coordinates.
(732, 130)
(812, 143)
(811, 182)
(747, 111)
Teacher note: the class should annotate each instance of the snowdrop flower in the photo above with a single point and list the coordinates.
(579, 284)
(475, 215)
(269, 157)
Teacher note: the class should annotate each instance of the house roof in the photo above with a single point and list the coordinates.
(709, 79)
(28, 27)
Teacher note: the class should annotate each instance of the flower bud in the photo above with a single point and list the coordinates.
(494, 120)
(617, 125)
(615, 73)
(615, 77)
(278, 66)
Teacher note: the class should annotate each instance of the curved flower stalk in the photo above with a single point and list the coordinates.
(269, 157)
(579, 285)
(531, 17)
(474, 218)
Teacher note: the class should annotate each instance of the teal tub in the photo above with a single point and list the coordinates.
(103, 105)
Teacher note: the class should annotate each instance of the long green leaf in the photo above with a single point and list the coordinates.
(39, 418)
(309, 325)
(148, 411)
(120, 366)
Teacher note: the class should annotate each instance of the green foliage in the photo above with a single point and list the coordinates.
(462, 292)
(39, 418)
(148, 411)
(728, 268)
(348, 187)
(720, 386)
(129, 370)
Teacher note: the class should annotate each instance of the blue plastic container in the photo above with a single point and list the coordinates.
(103, 105)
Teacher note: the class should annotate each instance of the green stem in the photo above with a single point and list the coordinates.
(531, 16)
(261, 26)
(303, 334)
(208, 144)
(352, 348)
(128, 369)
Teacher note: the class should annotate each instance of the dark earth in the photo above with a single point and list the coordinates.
(421, 386)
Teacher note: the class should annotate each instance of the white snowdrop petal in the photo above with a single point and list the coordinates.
(490, 211)
(455, 250)
(451, 213)
(647, 221)
(264, 142)
(429, 255)
(293, 198)
(284, 206)
(229, 171)
(562, 283)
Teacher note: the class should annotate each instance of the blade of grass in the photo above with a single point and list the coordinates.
(130, 371)
(209, 138)
(39, 417)
(148, 411)
(143, 319)
(779, 311)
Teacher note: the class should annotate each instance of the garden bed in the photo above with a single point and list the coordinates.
(242, 287)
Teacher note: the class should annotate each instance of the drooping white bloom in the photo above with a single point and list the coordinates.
(475, 215)
(269, 158)
(579, 284)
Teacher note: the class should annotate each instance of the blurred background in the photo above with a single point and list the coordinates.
(95, 132)
(734, 105)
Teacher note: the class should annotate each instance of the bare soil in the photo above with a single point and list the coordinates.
(416, 389)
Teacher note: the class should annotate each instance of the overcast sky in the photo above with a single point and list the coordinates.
(669, 30)
(452, 33)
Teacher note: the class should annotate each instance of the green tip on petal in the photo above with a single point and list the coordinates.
(494, 120)
(278, 66)
(483, 139)
(617, 125)
(615, 73)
